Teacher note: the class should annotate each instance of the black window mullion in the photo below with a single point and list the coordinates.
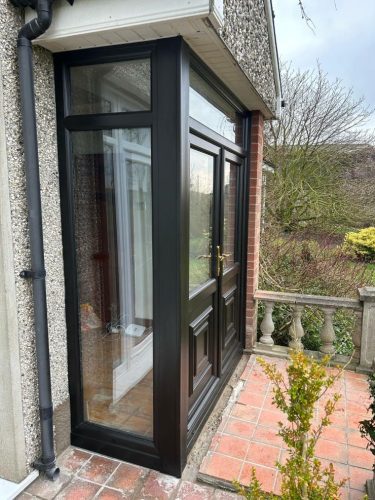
(108, 121)
(102, 55)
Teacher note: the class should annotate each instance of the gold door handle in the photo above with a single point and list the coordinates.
(219, 260)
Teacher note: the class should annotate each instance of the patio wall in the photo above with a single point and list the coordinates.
(362, 335)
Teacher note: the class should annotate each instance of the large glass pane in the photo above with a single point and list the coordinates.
(230, 202)
(111, 88)
(201, 213)
(208, 107)
(113, 231)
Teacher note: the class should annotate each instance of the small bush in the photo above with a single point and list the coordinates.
(303, 476)
(361, 244)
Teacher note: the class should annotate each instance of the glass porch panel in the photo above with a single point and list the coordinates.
(113, 232)
(201, 217)
(208, 107)
(111, 87)
(230, 207)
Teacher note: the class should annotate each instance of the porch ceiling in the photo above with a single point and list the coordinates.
(94, 23)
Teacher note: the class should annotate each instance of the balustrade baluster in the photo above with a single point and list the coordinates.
(327, 333)
(296, 329)
(356, 337)
(267, 325)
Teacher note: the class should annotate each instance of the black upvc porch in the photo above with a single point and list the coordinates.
(154, 218)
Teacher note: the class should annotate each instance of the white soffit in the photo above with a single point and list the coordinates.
(99, 23)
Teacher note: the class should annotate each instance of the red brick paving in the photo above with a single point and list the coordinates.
(341, 443)
(127, 478)
(98, 469)
(192, 491)
(246, 438)
(159, 486)
(110, 494)
(97, 477)
(78, 490)
(73, 459)
(239, 428)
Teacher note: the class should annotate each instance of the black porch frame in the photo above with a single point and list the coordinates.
(170, 125)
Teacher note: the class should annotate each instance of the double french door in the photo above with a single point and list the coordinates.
(214, 267)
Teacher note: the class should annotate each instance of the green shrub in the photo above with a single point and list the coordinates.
(361, 244)
(297, 395)
(301, 265)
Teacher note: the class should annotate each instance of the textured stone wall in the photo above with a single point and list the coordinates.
(10, 22)
(246, 35)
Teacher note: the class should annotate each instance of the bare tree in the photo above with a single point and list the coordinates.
(319, 113)
(320, 131)
(305, 16)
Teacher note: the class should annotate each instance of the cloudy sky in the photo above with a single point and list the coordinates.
(343, 40)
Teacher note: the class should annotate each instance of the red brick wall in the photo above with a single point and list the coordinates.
(254, 220)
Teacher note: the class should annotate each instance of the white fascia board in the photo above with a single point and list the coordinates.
(92, 16)
(217, 13)
(274, 54)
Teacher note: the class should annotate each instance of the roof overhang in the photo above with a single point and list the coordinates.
(94, 23)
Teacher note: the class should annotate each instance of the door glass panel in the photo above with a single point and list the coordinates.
(111, 88)
(201, 217)
(113, 233)
(230, 202)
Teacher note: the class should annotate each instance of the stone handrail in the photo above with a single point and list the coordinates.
(363, 336)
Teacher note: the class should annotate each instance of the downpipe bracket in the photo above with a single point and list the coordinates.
(26, 274)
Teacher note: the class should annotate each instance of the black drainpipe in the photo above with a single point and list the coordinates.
(28, 32)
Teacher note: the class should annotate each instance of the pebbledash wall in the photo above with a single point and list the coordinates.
(245, 33)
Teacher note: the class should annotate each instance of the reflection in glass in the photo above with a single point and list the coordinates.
(111, 88)
(113, 231)
(230, 198)
(208, 107)
(201, 212)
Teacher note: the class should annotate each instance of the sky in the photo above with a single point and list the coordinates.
(343, 41)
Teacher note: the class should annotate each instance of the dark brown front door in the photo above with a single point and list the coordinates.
(214, 267)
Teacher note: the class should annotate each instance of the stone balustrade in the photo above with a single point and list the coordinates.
(363, 334)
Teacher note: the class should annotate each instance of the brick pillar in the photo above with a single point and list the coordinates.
(254, 221)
